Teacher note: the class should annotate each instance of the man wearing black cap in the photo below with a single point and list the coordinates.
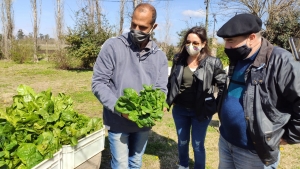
(260, 107)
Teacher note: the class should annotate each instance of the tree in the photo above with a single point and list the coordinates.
(1, 54)
(83, 41)
(30, 35)
(181, 36)
(166, 45)
(35, 27)
(42, 37)
(91, 13)
(283, 28)
(122, 5)
(47, 37)
(98, 14)
(8, 26)
(255, 7)
(59, 10)
(272, 12)
(20, 34)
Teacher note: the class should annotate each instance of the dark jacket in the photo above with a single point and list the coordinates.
(271, 100)
(208, 74)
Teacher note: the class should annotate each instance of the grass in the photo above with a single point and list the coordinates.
(161, 152)
(170, 63)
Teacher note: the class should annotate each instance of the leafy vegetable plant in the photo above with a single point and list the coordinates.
(144, 108)
(36, 126)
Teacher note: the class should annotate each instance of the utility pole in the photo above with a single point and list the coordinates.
(206, 20)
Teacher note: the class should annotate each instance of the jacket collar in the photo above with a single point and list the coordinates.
(264, 53)
(261, 59)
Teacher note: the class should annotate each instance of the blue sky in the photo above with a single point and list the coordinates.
(182, 14)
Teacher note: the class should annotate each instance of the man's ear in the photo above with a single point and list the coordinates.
(252, 36)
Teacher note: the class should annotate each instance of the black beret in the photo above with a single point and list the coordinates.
(241, 24)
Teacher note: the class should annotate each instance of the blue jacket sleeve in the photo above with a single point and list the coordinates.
(102, 73)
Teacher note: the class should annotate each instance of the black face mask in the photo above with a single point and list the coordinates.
(236, 54)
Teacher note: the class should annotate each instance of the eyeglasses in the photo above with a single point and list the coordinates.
(193, 43)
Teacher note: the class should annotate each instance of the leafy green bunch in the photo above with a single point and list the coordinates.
(144, 108)
(36, 126)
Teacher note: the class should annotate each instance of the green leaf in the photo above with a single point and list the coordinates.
(130, 93)
(11, 145)
(74, 141)
(148, 88)
(2, 164)
(29, 155)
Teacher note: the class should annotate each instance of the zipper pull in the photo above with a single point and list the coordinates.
(260, 67)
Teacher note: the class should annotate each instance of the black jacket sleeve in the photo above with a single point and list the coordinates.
(288, 82)
(219, 78)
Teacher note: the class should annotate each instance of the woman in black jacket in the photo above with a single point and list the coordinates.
(191, 92)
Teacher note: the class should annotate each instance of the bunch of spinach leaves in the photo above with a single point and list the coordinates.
(144, 108)
(36, 126)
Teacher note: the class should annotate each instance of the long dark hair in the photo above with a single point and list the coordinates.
(201, 33)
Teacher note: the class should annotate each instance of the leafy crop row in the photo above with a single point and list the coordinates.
(36, 126)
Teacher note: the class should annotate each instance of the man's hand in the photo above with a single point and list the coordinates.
(125, 116)
(283, 142)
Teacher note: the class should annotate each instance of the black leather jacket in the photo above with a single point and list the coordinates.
(271, 100)
(209, 73)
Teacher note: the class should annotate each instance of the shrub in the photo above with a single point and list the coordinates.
(222, 55)
(22, 51)
(85, 40)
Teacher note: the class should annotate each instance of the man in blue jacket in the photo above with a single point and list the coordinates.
(260, 108)
(128, 61)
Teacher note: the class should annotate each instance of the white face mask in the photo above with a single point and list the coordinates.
(193, 50)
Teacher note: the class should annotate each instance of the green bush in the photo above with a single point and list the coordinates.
(222, 55)
(22, 51)
(61, 59)
(85, 39)
(170, 52)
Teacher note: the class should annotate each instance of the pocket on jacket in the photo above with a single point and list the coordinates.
(270, 111)
(272, 139)
(210, 106)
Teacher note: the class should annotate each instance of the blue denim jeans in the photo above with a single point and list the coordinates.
(234, 157)
(186, 123)
(127, 149)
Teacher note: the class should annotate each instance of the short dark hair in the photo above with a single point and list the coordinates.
(143, 6)
(201, 33)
